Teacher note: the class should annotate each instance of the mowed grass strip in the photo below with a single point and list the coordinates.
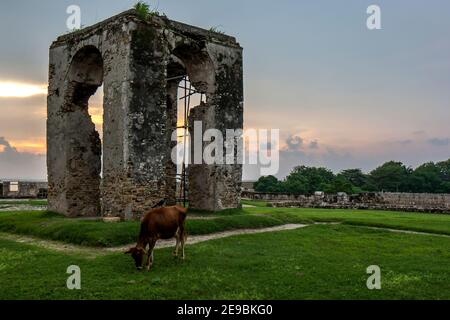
(255, 203)
(53, 226)
(318, 262)
(24, 202)
(421, 222)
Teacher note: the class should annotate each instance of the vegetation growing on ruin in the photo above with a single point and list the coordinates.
(216, 29)
(318, 262)
(144, 11)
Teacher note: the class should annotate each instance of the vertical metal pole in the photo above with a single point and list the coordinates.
(184, 142)
(186, 127)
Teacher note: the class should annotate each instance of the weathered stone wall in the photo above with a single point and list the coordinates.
(74, 152)
(272, 196)
(413, 202)
(25, 190)
(134, 60)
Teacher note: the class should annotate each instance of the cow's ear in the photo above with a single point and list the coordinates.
(129, 251)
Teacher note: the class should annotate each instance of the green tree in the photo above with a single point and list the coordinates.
(444, 168)
(339, 184)
(444, 171)
(308, 179)
(391, 177)
(357, 179)
(426, 178)
(268, 184)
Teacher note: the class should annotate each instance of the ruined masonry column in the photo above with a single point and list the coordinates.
(138, 182)
(218, 187)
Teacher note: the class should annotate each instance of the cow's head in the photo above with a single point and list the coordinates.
(138, 256)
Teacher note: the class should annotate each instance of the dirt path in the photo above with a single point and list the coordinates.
(405, 231)
(52, 245)
(214, 236)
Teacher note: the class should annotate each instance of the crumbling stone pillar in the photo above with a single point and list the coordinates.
(218, 186)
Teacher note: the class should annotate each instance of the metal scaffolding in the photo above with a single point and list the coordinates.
(182, 177)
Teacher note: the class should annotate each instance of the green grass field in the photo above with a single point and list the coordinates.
(52, 226)
(316, 262)
(24, 202)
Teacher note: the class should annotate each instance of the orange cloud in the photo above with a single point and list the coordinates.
(35, 145)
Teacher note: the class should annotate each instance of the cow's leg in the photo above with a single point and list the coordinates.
(150, 254)
(183, 238)
(177, 246)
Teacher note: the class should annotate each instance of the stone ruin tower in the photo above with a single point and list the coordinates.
(139, 63)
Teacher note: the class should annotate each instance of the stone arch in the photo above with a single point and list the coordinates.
(198, 65)
(85, 75)
(83, 149)
(195, 63)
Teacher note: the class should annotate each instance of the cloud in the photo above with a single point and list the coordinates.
(21, 90)
(439, 142)
(368, 156)
(405, 142)
(23, 120)
(8, 147)
(294, 143)
(314, 145)
(20, 165)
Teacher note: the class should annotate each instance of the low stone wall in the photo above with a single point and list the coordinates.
(272, 196)
(412, 202)
(23, 190)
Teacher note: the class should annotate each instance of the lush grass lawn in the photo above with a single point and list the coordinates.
(317, 262)
(255, 203)
(24, 202)
(422, 222)
(97, 233)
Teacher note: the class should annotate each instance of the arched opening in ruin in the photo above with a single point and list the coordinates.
(84, 150)
(190, 82)
(95, 110)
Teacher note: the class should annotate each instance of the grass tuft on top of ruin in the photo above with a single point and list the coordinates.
(144, 11)
(216, 29)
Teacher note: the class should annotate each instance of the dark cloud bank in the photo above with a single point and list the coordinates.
(21, 165)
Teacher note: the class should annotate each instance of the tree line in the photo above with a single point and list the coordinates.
(390, 177)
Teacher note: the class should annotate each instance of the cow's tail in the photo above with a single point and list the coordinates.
(182, 210)
(182, 223)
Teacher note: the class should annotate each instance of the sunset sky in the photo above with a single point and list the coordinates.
(342, 95)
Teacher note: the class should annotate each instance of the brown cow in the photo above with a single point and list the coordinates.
(162, 223)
